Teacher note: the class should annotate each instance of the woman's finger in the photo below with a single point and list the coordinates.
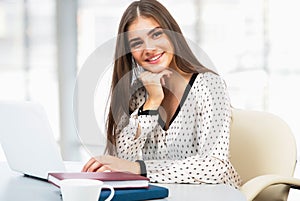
(162, 75)
(148, 77)
(88, 164)
(104, 168)
(162, 81)
(94, 167)
(165, 72)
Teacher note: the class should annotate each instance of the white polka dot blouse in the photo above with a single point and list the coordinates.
(195, 147)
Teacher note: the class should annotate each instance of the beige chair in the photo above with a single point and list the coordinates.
(263, 151)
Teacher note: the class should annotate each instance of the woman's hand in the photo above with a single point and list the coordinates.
(153, 83)
(111, 163)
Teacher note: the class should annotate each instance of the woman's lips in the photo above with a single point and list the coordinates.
(154, 59)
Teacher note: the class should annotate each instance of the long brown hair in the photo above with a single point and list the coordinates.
(183, 57)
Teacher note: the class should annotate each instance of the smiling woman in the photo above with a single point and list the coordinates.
(150, 47)
(173, 123)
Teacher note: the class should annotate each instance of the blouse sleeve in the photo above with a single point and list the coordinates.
(210, 164)
(128, 146)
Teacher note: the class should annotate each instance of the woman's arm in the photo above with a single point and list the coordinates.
(131, 139)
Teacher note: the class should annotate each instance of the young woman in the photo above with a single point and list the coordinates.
(173, 123)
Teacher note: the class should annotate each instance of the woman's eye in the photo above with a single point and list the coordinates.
(136, 44)
(157, 34)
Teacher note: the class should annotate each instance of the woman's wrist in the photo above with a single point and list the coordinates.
(151, 105)
(142, 168)
(143, 111)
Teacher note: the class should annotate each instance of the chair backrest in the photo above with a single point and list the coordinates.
(262, 143)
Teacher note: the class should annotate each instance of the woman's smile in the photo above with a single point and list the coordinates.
(154, 59)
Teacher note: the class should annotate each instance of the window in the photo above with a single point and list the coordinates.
(28, 55)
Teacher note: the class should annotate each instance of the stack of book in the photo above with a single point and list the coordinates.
(128, 186)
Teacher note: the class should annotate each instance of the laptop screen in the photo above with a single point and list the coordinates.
(27, 139)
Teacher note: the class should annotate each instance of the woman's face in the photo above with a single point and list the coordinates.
(149, 45)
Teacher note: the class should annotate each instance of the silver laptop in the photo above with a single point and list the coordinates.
(27, 140)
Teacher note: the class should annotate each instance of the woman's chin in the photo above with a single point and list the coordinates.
(157, 69)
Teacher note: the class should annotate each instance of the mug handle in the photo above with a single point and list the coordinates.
(112, 191)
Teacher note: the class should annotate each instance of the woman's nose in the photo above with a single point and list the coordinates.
(149, 45)
(149, 50)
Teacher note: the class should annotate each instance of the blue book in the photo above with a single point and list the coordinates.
(136, 194)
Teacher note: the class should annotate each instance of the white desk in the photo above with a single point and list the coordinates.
(16, 187)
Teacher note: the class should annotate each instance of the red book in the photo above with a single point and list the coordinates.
(115, 179)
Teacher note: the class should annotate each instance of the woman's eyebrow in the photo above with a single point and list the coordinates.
(153, 30)
(149, 33)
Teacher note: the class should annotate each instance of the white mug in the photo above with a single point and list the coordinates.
(83, 190)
